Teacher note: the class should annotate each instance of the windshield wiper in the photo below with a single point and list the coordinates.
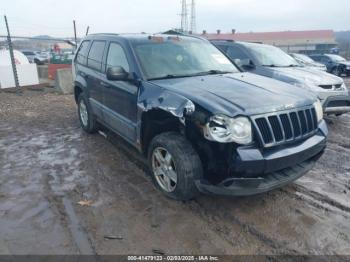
(273, 65)
(169, 76)
(212, 72)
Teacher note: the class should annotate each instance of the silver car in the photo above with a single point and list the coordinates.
(306, 61)
(272, 62)
(35, 57)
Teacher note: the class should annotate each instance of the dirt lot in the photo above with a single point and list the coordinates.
(48, 165)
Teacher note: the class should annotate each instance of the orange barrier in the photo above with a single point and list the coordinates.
(52, 68)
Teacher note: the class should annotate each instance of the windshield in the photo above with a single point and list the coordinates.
(169, 57)
(304, 58)
(337, 58)
(271, 56)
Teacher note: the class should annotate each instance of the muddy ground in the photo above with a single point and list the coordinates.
(48, 164)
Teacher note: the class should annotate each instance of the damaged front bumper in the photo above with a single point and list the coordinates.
(264, 170)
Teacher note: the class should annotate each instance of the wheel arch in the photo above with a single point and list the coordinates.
(78, 89)
(155, 122)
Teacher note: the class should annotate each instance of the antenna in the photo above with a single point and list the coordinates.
(184, 17)
(193, 17)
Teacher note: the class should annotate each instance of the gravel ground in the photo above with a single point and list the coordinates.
(65, 192)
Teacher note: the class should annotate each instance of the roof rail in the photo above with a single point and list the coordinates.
(103, 34)
(226, 40)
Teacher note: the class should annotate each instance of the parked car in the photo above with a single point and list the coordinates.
(35, 57)
(272, 62)
(335, 64)
(306, 61)
(204, 125)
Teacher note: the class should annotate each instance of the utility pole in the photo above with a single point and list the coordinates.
(87, 30)
(193, 17)
(75, 34)
(184, 17)
(12, 56)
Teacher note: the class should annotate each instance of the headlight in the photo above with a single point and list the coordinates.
(224, 129)
(319, 110)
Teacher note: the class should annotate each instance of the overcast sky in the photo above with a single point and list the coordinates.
(54, 17)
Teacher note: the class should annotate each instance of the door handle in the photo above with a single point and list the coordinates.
(104, 84)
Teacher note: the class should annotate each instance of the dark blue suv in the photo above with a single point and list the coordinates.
(204, 125)
(335, 64)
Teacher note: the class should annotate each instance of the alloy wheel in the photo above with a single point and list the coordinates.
(83, 113)
(164, 169)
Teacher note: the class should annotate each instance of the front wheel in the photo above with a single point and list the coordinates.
(174, 166)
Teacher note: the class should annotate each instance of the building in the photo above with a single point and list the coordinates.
(309, 42)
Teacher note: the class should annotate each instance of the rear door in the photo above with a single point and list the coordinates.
(94, 75)
(120, 97)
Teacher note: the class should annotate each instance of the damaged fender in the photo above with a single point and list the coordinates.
(154, 97)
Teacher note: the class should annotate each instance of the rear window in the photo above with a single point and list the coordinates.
(96, 54)
(28, 53)
(82, 52)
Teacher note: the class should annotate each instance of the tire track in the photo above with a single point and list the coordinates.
(216, 221)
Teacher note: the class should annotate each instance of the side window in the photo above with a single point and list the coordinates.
(116, 57)
(236, 54)
(82, 52)
(325, 59)
(95, 54)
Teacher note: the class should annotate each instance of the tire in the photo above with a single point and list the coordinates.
(87, 120)
(185, 163)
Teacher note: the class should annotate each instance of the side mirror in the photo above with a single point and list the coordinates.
(247, 64)
(117, 73)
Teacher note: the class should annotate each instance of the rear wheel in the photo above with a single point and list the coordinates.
(86, 117)
(174, 166)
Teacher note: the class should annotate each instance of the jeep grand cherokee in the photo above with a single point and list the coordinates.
(204, 125)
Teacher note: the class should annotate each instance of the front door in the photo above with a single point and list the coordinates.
(120, 97)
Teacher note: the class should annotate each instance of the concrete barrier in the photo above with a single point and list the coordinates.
(64, 81)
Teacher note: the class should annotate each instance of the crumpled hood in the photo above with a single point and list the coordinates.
(233, 94)
(304, 75)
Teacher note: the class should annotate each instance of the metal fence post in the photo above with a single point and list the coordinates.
(75, 35)
(12, 56)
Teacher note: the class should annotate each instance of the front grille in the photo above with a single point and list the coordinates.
(283, 127)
